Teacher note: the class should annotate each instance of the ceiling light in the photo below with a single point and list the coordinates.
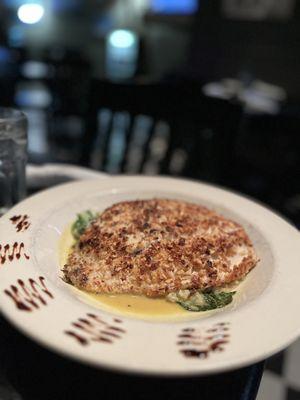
(30, 13)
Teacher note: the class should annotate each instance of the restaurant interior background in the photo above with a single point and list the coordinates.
(202, 89)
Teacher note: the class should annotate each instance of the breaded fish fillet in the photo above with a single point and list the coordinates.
(155, 247)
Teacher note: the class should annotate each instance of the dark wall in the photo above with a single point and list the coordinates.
(269, 50)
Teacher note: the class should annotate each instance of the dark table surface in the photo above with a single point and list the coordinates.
(31, 372)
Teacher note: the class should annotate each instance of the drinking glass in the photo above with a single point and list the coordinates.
(13, 157)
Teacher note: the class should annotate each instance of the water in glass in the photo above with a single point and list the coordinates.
(13, 146)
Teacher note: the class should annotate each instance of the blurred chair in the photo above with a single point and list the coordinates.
(160, 129)
(52, 90)
(68, 86)
(269, 163)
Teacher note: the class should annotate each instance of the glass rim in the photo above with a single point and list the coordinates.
(11, 114)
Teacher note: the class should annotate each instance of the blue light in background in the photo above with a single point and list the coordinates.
(174, 6)
(66, 5)
(122, 38)
(122, 51)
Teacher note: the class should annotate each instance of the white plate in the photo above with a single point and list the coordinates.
(263, 318)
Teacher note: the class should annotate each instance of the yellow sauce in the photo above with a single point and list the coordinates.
(131, 305)
(140, 305)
